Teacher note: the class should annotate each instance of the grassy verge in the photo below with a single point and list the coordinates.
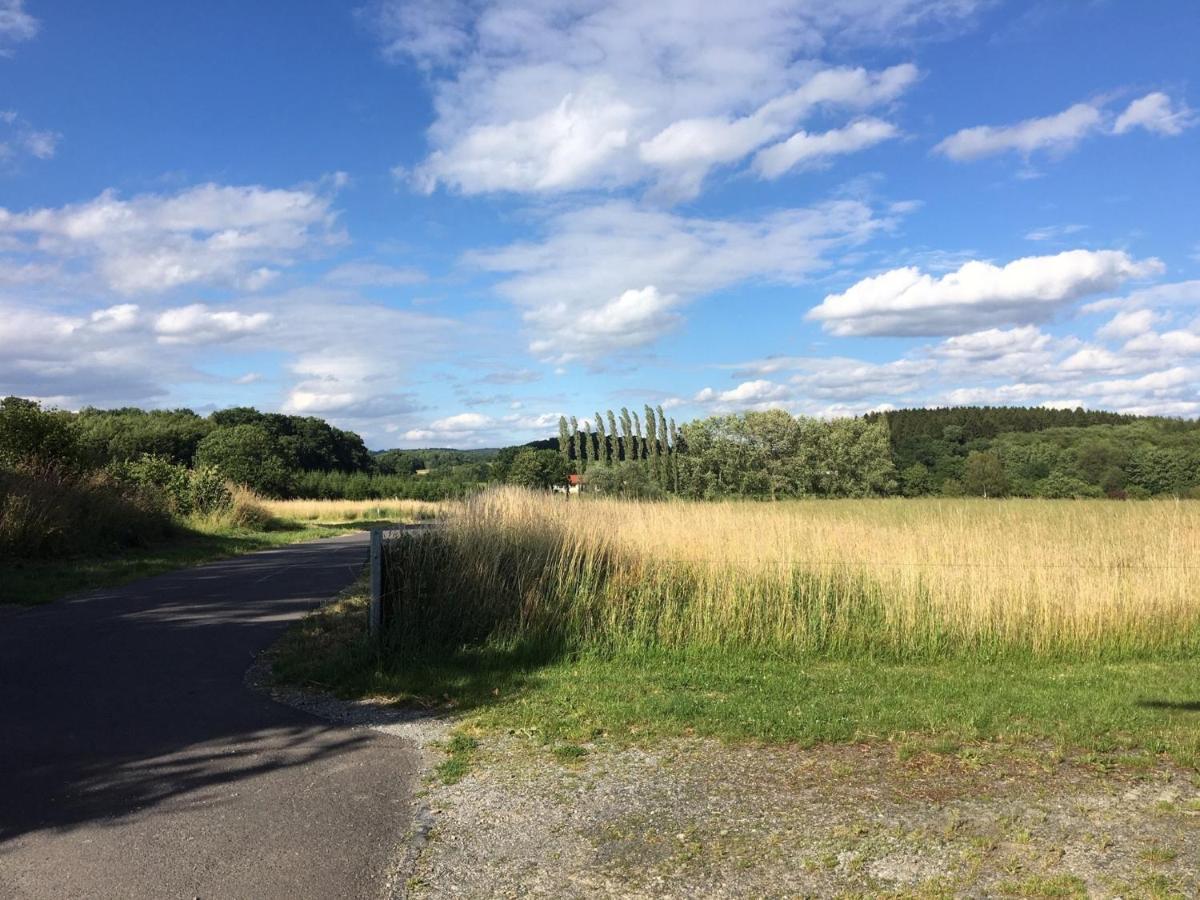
(31, 582)
(1116, 710)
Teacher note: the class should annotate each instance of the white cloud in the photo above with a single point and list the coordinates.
(631, 320)
(1053, 232)
(543, 97)
(121, 317)
(977, 295)
(16, 25)
(20, 139)
(210, 234)
(1129, 323)
(621, 263)
(363, 273)
(1058, 133)
(1155, 113)
(753, 395)
(198, 324)
(803, 148)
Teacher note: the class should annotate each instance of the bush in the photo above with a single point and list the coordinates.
(630, 480)
(186, 491)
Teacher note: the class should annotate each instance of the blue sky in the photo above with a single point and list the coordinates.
(444, 223)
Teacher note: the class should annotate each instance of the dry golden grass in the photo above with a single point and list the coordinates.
(336, 511)
(892, 577)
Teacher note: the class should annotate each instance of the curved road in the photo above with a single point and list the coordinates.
(134, 762)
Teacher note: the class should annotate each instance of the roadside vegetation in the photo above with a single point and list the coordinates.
(937, 622)
(67, 522)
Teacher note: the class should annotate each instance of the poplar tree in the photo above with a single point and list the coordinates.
(587, 443)
(575, 441)
(612, 430)
(666, 448)
(564, 441)
(675, 453)
(652, 440)
(627, 431)
(637, 438)
(601, 441)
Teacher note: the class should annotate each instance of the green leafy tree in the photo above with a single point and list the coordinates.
(615, 452)
(626, 480)
(627, 449)
(30, 435)
(652, 443)
(601, 441)
(983, 475)
(538, 469)
(564, 440)
(249, 455)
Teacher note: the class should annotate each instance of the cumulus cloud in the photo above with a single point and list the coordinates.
(803, 148)
(198, 324)
(16, 25)
(1057, 133)
(210, 234)
(1060, 133)
(1156, 113)
(19, 139)
(536, 97)
(978, 295)
(758, 394)
(609, 279)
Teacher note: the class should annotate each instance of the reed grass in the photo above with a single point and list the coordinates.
(333, 511)
(889, 579)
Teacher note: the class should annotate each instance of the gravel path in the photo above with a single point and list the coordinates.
(700, 819)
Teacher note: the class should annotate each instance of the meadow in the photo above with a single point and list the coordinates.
(887, 578)
(930, 622)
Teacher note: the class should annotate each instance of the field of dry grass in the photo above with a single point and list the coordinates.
(895, 577)
(334, 511)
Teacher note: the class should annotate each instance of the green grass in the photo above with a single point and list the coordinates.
(31, 582)
(1105, 708)
(460, 750)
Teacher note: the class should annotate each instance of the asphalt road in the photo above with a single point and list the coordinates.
(135, 763)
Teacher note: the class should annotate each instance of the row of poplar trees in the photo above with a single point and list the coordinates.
(658, 448)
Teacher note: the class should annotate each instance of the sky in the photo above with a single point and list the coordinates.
(447, 223)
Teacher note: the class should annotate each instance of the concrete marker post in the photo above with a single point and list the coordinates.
(375, 618)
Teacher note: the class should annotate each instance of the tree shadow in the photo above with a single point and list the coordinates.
(127, 699)
(1178, 705)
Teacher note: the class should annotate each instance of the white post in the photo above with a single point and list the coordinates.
(375, 619)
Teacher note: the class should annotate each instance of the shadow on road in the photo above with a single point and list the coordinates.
(131, 699)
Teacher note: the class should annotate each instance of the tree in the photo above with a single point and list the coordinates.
(615, 453)
(575, 442)
(627, 449)
(638, 444)
(601, 441)
(983, 475)
(587, 444)
(564, 440)
(652, 441)
(624, 480)
(915, 480)
(30, 435)
(249, 455)
(538, 469)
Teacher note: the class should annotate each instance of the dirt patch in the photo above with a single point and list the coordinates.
(698, 818)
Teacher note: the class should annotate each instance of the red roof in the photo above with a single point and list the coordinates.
(573, 479)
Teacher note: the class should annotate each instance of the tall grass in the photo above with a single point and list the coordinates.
(844, 578)
(354, 510)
